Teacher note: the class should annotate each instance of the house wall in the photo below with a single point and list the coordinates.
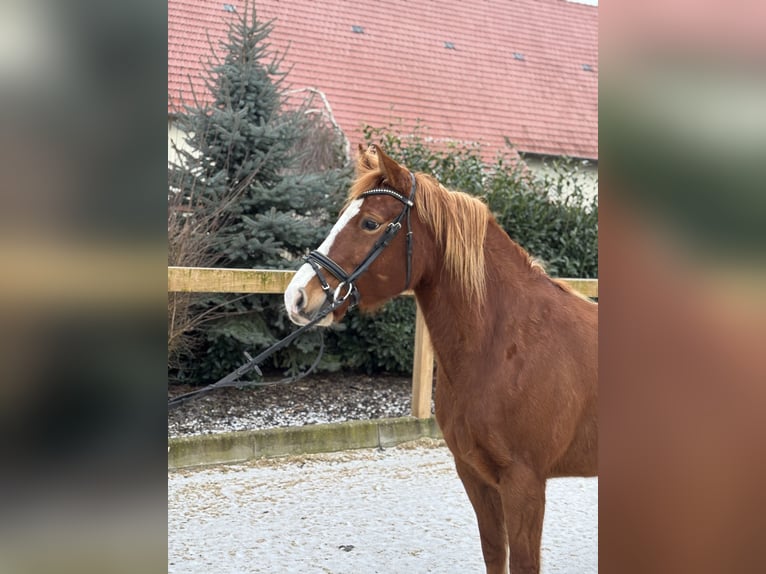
(175, 136)
(587, 176)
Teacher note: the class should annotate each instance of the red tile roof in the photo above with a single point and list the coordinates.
(399, 68)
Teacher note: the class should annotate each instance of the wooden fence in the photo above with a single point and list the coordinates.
(208, 280)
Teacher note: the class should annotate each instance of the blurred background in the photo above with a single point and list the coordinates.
(82, 249)
(683, 315)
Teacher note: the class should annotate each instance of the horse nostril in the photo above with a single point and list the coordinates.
(300, 299)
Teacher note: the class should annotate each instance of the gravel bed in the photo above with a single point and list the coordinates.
(317, 399)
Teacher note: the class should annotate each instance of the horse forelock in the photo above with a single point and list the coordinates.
(364, 182)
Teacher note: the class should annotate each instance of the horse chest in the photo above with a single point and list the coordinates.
(472, 438)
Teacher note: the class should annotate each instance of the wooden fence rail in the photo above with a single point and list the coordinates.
(210, 280)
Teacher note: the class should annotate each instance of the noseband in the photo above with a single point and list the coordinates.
(347, 288)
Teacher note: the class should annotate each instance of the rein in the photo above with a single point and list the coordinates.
(334, 299)
(232, 379)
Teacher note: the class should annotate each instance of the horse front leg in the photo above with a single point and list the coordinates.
(488, 507)
(523, 498)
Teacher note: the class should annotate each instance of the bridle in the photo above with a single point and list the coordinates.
(347, 289)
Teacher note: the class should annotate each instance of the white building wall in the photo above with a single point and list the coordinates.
(175, 137)
(586, 176)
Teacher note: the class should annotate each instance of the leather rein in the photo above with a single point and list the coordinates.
(334, 299)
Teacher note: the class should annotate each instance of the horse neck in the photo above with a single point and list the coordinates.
(461, 327)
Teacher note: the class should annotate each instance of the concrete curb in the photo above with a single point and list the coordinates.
(185, 452)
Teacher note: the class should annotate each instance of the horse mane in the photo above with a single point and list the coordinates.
(459, 223)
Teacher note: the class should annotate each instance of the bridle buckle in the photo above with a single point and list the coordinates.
(350, 289)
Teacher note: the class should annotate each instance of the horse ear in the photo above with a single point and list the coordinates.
(397, 175)
(366, 162)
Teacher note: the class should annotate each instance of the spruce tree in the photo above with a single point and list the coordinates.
(242, 171)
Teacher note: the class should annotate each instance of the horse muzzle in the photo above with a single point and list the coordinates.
(304, 300)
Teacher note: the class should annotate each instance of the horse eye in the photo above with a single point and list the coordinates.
(370, 224)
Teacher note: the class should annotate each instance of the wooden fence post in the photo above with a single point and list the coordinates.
(422, 369)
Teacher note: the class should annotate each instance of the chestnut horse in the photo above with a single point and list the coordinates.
(517, 379)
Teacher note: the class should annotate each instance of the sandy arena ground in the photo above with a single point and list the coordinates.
(356, 512)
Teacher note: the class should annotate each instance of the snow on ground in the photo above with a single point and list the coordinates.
(326, 398)
(356, 512)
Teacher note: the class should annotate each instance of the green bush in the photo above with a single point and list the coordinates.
(549, 216)
(379, 342)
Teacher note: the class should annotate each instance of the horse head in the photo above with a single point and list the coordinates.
(367, 256)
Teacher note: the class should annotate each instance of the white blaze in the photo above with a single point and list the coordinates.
(306, 273)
